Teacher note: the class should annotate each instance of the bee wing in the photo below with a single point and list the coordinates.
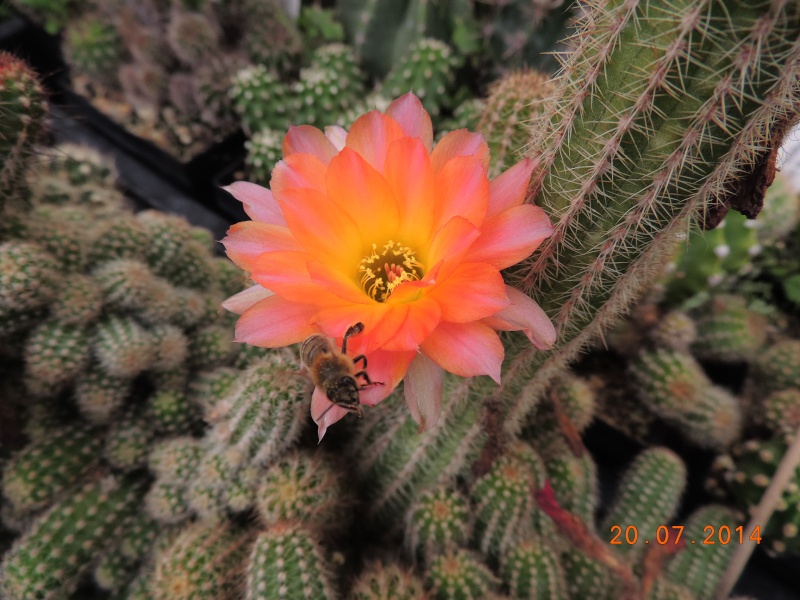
(324, 412)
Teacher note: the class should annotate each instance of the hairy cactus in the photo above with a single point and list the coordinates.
(675, 388)
(49, 560)
(21, 123)
(439, 522)
(205, 561)
(386, 582)
(287, 561)
(513, 103)
(460, 576)
(532, 570)
(648, 496)
(639, 143)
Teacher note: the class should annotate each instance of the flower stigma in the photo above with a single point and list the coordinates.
(382, 272)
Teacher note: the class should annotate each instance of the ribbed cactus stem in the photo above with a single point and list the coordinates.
(660, 107)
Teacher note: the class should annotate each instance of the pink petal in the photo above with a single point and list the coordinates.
(473, 291)
(422, 318)
(510, 236)
(422, 386)
(450, 244)
(248, 240)
(337, 135)
(462, 189)
(285, 273)
(510, 188)
(298, 171)
(381, 323)
(320, 404)
(460, 143)
(274, 322)
(371, 136)
(465, 349)
(413, 119)
(257, 201)
(308, 140)
(523, 314)
(388, 368)
(239, 303)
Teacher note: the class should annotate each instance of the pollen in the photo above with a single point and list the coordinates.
(386, 267)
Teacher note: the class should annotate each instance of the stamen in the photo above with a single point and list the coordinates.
(402, 266)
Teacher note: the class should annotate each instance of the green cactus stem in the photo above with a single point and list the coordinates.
(658, 108)
(439, 522)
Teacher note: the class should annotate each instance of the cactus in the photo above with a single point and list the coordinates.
(460, 576)
(465, 116)
(728, 331)
(674, 387)
(117, 567)
(587, 577)
(261, 100)
(574, 481)
(386, 582)
(46, 469)
(49, 560)
(272, 38)
(94, 48)
(638, 144)
(439, 522)
(319, 26)
(128, 442)
(287, 561)
(203, 562)
(695, 567)
(99, 395)
(674, 331)
(22, 123)
(26, 282)
(532, 570)
(79, 301)
(428, 68)
(748, 475)
(396, 464)
(648, 496)
(513, 103)
(192, 37)
(303, 488)
(122, 347)
(778, 367)
(782, 411)
(323, 95)
(54, 354)
(264, 150)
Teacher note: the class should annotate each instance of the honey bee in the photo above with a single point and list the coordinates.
(334, 372)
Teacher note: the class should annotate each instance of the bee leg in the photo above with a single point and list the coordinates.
(360, 357)
(367, 379)
(351, 331)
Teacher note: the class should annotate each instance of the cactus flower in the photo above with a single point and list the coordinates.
(377, 226)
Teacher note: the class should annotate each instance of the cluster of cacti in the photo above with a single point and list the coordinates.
(165, 68)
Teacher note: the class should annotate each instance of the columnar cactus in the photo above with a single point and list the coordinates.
(640, 142)
(728, 331)
(532, 570)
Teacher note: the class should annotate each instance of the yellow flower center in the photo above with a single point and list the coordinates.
(382, 271)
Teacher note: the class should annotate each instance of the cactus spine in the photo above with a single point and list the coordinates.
(651, 120)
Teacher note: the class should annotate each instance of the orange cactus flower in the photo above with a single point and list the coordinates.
(377, 226)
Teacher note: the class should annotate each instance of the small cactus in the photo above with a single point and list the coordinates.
(261, 100)
(532, 570)
(438, 523)
(728, 331)
(460, 576)
(94, 48)
(386, 582)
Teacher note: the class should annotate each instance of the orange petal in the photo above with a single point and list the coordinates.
(239, 303)
(298, 171)
(248, 240)
(462, 189)
(308, 140)
(422, 387)
(510, 188)
(473, 291)
(388, 368)
(423, 316)
(324, 412)
(451, 243)
(337, 283)
(285, 273)
(523, 314)
(510, 236)
(410, 177)
(371, 136)
(321, 227)
(381, 322)
(413, 119)
(460, 143)
(257, 201)
(274, 322)
(465, 349)
(362, 192)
